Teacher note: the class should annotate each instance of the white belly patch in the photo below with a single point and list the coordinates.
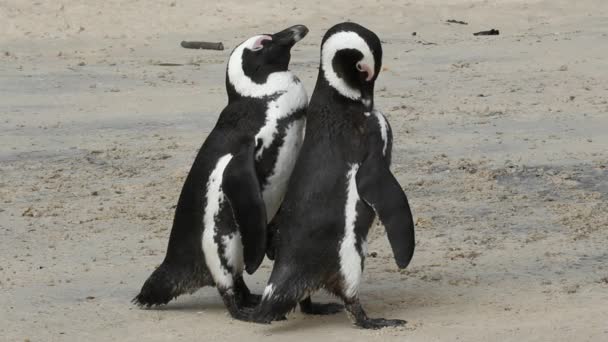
(350, 259)
(232, 245)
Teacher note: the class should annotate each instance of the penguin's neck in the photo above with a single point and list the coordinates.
(329, 107)
(239, 85)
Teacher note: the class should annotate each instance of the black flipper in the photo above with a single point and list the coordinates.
(241, 187)
(378, 187)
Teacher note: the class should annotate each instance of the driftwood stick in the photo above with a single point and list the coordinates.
(202, 45)
(452, 21)
(492, 32)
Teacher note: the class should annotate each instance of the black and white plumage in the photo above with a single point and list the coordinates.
(341, 181)
(238, 178)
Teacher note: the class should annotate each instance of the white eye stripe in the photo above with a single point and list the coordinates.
(339, 41)
(243, 85)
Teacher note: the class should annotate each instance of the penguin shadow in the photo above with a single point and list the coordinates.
(196, 302)
(302, 322)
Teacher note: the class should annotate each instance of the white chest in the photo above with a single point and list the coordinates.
(287, 104)
(290, 101)
(276, 186)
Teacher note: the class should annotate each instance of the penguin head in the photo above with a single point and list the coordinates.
(258, 67)
(351, 58)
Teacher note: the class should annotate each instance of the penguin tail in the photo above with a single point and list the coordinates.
(169, 281)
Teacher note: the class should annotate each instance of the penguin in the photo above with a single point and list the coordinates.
(238, 178)
(341, 182)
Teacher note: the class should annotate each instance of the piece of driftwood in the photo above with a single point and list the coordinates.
(491, 32)
(452, 21)
(202, 45)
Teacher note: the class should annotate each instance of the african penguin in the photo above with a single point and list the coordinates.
(238, 178)
(341, 181)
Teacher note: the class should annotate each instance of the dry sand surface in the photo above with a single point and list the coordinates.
(501, 143)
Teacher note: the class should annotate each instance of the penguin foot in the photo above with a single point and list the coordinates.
(359, 317)
(251, 300)
(310, 308)
(249, 315)
(235, 307)
(379, 323)
(242, 314)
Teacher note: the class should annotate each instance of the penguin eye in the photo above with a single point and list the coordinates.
(359, 67)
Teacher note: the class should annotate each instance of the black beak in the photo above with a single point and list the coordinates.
(290, 36)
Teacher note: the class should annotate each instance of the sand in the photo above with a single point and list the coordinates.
(500, 143)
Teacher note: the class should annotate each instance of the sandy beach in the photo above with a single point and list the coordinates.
(501, 143)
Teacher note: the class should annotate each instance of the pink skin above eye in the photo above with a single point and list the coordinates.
(367, 69)
(258, 43)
